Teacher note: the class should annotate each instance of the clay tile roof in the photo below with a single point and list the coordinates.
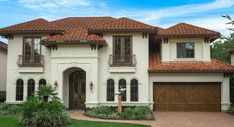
(3, 46)
(75, 36)
(37, 25)
(72, 23)
(123, 24)
(191, 66)
(186, 30)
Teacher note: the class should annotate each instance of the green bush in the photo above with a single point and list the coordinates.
(9, 109)
(231, 110)
(2, 96)
(134, 113)
(39, 112)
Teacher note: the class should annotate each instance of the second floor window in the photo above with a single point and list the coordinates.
(122, 50)
(31, 51)
(185, 50)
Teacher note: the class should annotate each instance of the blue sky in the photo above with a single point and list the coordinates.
(162, 13)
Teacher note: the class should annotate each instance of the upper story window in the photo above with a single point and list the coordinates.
(31, 51)
(122, 51)
(185, 50)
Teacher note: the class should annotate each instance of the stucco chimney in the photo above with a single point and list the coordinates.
(231, 52)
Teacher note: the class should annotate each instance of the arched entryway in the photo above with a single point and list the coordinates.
(74, 88)
(77, 89)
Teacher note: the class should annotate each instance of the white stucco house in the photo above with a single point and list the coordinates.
(88, 59)
(3, 67)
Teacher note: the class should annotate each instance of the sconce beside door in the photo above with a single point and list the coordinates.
(91, 86)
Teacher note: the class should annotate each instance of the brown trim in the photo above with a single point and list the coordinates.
(122, 47)
(32, 50)
(189, 71)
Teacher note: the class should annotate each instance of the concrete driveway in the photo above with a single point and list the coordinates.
(175, 119)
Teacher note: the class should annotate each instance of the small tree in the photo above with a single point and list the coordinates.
(38, 111)
(47, 91)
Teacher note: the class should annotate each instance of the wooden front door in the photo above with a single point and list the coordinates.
(77, 90)
(187, 97)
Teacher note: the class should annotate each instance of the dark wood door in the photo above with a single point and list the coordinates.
(77, 90)
(187, 97)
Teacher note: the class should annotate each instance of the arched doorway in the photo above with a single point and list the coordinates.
(77, 89)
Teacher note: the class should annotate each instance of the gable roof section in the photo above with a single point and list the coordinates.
(3, 46)
(72, 23)
(186, 30)
(123, 25)
(75, 36)
(37, 25)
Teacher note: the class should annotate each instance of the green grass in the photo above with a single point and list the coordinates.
(12, 121)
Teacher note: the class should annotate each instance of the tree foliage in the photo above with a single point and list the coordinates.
(219, 48)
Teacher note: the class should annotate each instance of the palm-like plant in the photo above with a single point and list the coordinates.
(47, 91)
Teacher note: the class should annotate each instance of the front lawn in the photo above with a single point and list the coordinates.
(12, 121)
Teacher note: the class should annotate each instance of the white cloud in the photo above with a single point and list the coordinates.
(152, 16)
(53, 4)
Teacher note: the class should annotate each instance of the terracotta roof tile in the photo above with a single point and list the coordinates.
(37, 25)
(72, 23)
(75, 36)
(3, 46)
(123, 24)
(191, 66)
(183, 29)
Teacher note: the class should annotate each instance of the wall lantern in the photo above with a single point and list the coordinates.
(91, 85)
(55, 84)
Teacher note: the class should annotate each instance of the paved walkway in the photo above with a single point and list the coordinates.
(174, 119)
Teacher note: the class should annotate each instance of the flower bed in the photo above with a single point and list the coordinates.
(129, 113)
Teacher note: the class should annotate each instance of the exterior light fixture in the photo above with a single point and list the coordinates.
(55, 84)
(91, 85)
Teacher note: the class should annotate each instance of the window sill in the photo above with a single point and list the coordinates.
(30, 69)
(185, 59)
(122, 69)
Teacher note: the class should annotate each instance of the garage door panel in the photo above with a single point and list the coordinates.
(187, 96)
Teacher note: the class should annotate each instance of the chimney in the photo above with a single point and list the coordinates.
(231, 52)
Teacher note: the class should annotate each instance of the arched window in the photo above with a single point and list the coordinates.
(19, 90)
(110, 90)
(134, 90)
(42, 82)
(31, 87)
(122, 86)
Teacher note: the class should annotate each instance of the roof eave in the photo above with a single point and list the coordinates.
(188, 36)
(31, 32)
(48, 43)
(191, 71)
(124, 30)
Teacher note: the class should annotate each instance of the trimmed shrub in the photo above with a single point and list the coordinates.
(2, 96)
(6, 109)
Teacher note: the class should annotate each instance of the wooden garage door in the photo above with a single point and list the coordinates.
(187, 97)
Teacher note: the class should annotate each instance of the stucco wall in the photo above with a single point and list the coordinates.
(169, 50)
(3, 70)
(15, 48)
(140, 49)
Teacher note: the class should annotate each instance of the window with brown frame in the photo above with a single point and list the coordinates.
(31, 87)
(31, 51)
(122, 86)
(185, 50)
(110, 92)
(19, 90)
(42, 82)
(134, 90)
(122, 50)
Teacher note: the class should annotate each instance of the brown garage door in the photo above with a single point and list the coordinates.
(187, 97)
